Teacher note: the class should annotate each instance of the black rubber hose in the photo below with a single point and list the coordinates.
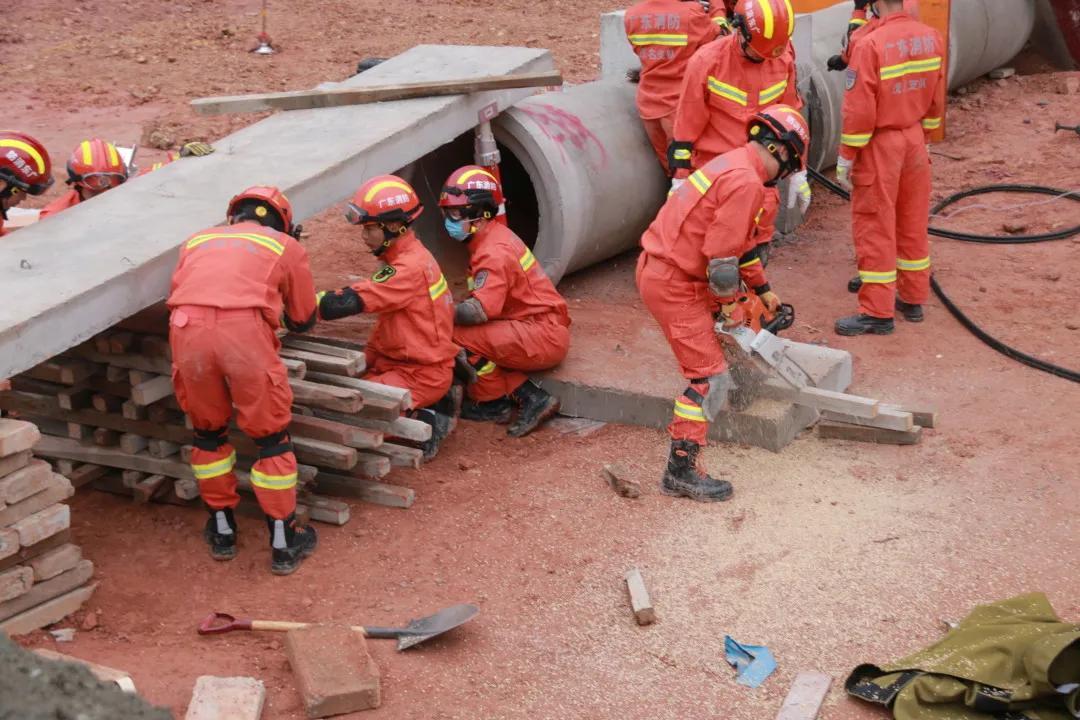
(956, 312)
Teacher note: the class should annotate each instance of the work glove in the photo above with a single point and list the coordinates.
(843, 173)
(836, 63)
(771, 300)
(676, 183)
(799, 191)
(196, 149)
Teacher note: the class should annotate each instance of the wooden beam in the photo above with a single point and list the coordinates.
(887, 418)
(329, 431)
(48, 612)
(151, 391)
(321, 348)
(326, 363)
(826, 429)
(400, 456)
(367, 490)
(370, 390)
(329, 397)
(148, 487)
(806, 696)
(821, 399)
(337, 97)
(639, 598)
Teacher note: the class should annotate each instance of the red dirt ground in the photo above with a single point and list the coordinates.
(831, 553)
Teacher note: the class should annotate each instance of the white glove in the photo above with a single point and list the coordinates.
(843, 173)
(676, 183)
(799, 191)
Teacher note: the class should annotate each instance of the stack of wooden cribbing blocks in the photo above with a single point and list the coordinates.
(109, 418)
(43, 577)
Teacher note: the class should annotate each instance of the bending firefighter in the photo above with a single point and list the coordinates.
(702, 247)
(514, 320)
(412, 345)
(25, 169)
(728, 82)
(893, 101)
(232, 285)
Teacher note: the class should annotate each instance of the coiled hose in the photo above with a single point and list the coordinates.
(956, 312)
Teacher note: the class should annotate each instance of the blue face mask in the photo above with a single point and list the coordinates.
(457, 229)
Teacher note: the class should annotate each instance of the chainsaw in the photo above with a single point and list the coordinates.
(753, 327)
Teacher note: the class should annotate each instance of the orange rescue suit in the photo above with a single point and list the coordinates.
(664, 34)
(528, 325)
(69, 199)
(228, 291)
(714, 214)
(722, 91)
(412, 345)
(891, 104)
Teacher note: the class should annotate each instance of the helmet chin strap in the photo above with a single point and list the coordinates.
(389, 236)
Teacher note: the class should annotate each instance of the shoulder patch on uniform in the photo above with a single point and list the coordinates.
(850, 76)
(480, 279)
(384, 273)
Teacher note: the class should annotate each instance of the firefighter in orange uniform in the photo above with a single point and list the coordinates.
(514, 320)
(702, 247)
(412, 345)
(232, 286)
(664, 34)
(727, 83)
(860, 17)
(25, 169)
(892, 103)
(94, 167)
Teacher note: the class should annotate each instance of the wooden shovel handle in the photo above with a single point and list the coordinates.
(285, 626)
(219, 623)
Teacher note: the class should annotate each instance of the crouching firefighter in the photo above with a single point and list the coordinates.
(514, 320)
(412, 345)
(230, 288)
(703, 244)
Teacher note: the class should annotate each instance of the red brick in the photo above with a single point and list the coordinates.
(235, 698)
(23, 483)
(11, 463)
(16, 436)
(58, 489)
(334, 672)
(15, 582)
(43, 524)
(50, 564)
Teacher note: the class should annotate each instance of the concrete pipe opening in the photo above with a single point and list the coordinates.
(580, 178)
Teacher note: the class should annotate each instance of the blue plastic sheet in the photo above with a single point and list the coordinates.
(753, 663)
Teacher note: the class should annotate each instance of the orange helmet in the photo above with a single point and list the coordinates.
(383, 199)
(24, 164)
(782, 124)
(474, 190)
(97, 165)
(765, 25)
(258, 202)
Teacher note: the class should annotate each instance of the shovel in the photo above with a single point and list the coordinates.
(416, 632)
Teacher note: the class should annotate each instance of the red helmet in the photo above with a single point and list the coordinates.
(24, 163)
(766, 25)
(97, 165)
(259, 201)
(785, 124)
(383, 199)
(472, 187)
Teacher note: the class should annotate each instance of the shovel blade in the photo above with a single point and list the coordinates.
(422, 629)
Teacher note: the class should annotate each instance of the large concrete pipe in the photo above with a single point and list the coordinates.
(581, 180)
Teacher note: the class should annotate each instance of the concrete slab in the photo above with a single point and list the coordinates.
(620, 369)
(75, 274)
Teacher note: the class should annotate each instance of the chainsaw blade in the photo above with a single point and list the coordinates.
(768, 352)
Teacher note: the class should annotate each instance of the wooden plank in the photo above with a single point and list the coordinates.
(66, 371)
(326, 363)
(76, 431)
(131, 477)
(296, 368)
(399, 427)
(103, 437)
(116, 374)
(162, 448)
(639, 598)
(318, 452)
(186, 488)
(324, 509)
(16, 436)
(133, 411)
(400, 456)
(148, 487)
(330, 431)
(370, 466)
(370, 390)
(826, 429)
(86, 474)
(75, 398)
(131, 361)
(137, 377)
(49, 612)
(151, 391)
(132, 443)
(820, 399)
(107, 403)
(925, 417)
(806, 696)
(40, 592)
(370, 491)
(337, 97)
(886, 418)
(320, 348)
(328, 397)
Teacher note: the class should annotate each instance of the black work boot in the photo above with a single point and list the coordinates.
(440, 429)
(289, 544)
(910, 311)
(535, 405)
(683, 477)
(864, 324)
(496, 411)
(220, 534)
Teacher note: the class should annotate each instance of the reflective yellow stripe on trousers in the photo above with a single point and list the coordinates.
(214, 469)
(272, 482)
